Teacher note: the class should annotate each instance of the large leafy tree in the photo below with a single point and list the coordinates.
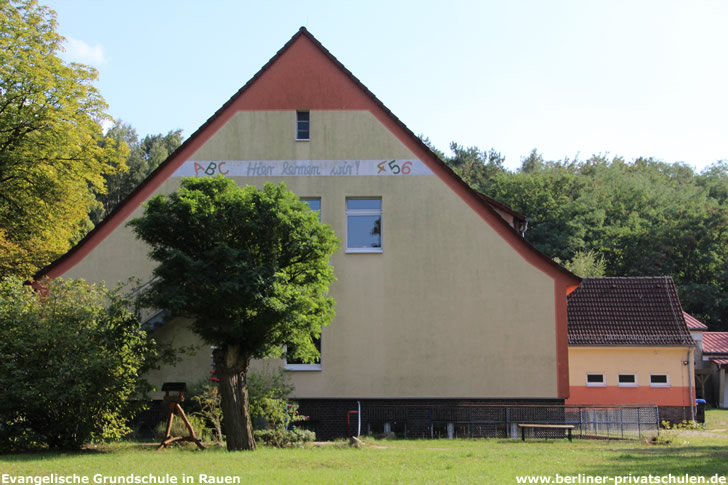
(51, 158)
(144, 157)
(251, 269)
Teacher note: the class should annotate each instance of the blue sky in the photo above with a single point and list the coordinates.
(567, 77)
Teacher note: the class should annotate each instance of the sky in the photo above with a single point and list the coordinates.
(570, 78)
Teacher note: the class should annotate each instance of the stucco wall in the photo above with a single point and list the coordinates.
(448, 309)
(641, 361)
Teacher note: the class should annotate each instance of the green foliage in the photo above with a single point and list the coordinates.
(199, 424)
(615, 218)
(144, 157)
(51, 158)
(250, 268)
(71, 359)
(283, 438)
(269, 400)
(207, 399)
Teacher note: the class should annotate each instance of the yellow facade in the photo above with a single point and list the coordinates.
(447, 309)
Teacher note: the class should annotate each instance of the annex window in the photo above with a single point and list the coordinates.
(659, 380)
(595, 380)
(627, 380)
(303, 125)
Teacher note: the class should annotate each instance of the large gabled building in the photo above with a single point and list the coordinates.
(439, 297)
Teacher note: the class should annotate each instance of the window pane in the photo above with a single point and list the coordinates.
(302, 125)
(290, 350)
(370, 204)
(658, 379)
(364, 232)
(595, 378)
(314, 204)
(627, 378)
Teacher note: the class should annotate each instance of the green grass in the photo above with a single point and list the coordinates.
(421, 461)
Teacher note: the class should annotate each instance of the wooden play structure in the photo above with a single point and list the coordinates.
(174, 394)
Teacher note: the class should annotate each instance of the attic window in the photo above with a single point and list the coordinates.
(303, 125)
(595, 380)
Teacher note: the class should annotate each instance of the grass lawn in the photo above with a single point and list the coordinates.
(697, 453)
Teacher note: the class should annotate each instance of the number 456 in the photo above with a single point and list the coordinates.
(395, 167)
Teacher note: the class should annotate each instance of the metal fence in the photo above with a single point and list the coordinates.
(497, 421)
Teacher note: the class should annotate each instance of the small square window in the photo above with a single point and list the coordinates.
(314, 204)
(364, 225)
(659, 380)
(595, 380)
(627, 380)
(303, 125)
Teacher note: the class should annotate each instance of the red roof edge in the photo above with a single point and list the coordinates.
(482, 199)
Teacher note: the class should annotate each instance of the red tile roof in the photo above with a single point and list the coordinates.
(715, 343)
(693, 323)
(627, 311)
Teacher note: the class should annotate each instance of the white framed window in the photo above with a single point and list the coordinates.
(659, 380)
(291, 363)
(627, 380)
(364, 225)
(595, 380)
(303, 125)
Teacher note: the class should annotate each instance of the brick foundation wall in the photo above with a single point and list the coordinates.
(413, 418)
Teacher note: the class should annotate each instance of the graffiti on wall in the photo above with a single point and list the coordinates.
(302, 168)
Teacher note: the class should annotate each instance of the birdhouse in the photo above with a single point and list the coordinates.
(174, 391)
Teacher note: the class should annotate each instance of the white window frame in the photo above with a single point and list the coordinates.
(365, 212)
(627, 384)
(298, 123)
(315, 366)
(596, 384)
(660, 384)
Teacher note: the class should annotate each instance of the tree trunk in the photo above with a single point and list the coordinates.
(231, 367)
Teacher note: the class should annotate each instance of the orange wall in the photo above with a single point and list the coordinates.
(661, 396)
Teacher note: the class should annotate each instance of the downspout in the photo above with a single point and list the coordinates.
(691, 371)
(358, 418)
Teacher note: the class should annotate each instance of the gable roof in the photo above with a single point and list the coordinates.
(693, 323)
(627, 311)
(337, 89)
(715, 343)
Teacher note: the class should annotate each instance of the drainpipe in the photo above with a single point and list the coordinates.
(358, 418)
(691, 371)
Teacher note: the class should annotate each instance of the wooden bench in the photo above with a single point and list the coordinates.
(523, 426)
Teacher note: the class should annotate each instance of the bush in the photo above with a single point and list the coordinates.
(282, 438)
(179, 428)
(71, 359)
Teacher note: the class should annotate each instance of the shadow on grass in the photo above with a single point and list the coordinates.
(690, 460)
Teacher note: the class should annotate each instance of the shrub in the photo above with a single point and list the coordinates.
(207, 400)
(282, 438)
(71, 359)
(179, 428)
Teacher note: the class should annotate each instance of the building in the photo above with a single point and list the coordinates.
(629, 344)
(714, 363)
(439, 297)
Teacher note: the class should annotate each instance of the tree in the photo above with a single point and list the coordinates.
(72, 357)
(51, 161)
(250, 268)
(144, 157)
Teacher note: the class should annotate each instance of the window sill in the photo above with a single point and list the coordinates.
(303, 139)
(364, 250)
(627, 385)
(660, 385)
(595, 385)
(302, 367)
